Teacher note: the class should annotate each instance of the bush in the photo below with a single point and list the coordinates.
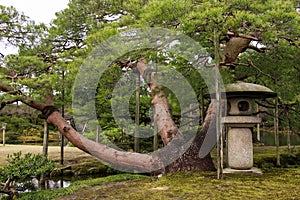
(21, 168)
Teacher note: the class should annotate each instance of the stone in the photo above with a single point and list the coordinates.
(240, 148)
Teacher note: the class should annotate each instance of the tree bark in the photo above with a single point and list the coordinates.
(119, 159)
(168, 130)
(234, 47)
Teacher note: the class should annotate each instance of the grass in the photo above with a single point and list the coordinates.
(78, 186)
(273, 184)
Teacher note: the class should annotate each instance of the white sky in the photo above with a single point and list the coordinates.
(37, 10)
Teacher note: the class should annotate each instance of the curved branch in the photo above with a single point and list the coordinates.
(120, 159)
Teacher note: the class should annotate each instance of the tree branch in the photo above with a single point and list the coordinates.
(5, 102)
(250, 64)
(261, 50)
(251, 37)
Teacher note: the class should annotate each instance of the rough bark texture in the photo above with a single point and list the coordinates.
(190, 160)
(168, 130)
(234, 47)
(162, 117)
(120, 159)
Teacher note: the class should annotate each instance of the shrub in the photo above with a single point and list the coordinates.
(21, 168)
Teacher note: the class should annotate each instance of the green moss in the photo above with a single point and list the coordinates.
(78, 186)
(274, 183)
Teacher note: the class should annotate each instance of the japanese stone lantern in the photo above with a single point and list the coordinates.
(239, 121)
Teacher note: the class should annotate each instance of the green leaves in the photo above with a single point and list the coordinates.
(164, 13)
(22, 167)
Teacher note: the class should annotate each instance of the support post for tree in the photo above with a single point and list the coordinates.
(45, 139)
(202, 105)
(45, 150)
(289, 138)
(137, 114)
(97, 134)
(63, 115)
(258, 125)
(276, 131)
(218, 110)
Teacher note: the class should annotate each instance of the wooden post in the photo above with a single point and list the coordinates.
(45, 151)
(276, 131)
(218, 109)
(258, 125)
(97, 134)
(45, 140)
(202, 105)
(3, 137)
(63, 115)
(137, 114)
(289, 138)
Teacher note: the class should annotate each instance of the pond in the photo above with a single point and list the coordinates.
(268, 139)
(49, 184)
(35, 185)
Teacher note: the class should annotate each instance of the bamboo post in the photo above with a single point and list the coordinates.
(137, 114)
(97, 134)
(3, 137)
(202, 105)
(45, 140)
(218, 109)
(276, 131)
(63, 115)
(45, 151)
(258, 125)
(289, 138)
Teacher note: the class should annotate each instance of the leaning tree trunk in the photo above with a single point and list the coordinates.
(190, 160)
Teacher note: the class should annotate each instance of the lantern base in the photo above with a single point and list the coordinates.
(253, 170)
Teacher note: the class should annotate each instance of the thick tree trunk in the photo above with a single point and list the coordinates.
(190, 160)
(162, 117)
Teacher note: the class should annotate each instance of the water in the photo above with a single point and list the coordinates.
(35, 185)
(269, 139)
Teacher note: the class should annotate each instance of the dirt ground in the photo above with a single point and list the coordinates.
(70, 153)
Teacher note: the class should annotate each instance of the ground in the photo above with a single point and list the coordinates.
(275, 183)
(71, 154)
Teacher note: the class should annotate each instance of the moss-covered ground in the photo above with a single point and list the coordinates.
(276, 182)
(273, 184)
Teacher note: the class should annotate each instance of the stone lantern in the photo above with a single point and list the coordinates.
(239, 120)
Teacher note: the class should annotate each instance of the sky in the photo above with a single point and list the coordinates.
(37, 10)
